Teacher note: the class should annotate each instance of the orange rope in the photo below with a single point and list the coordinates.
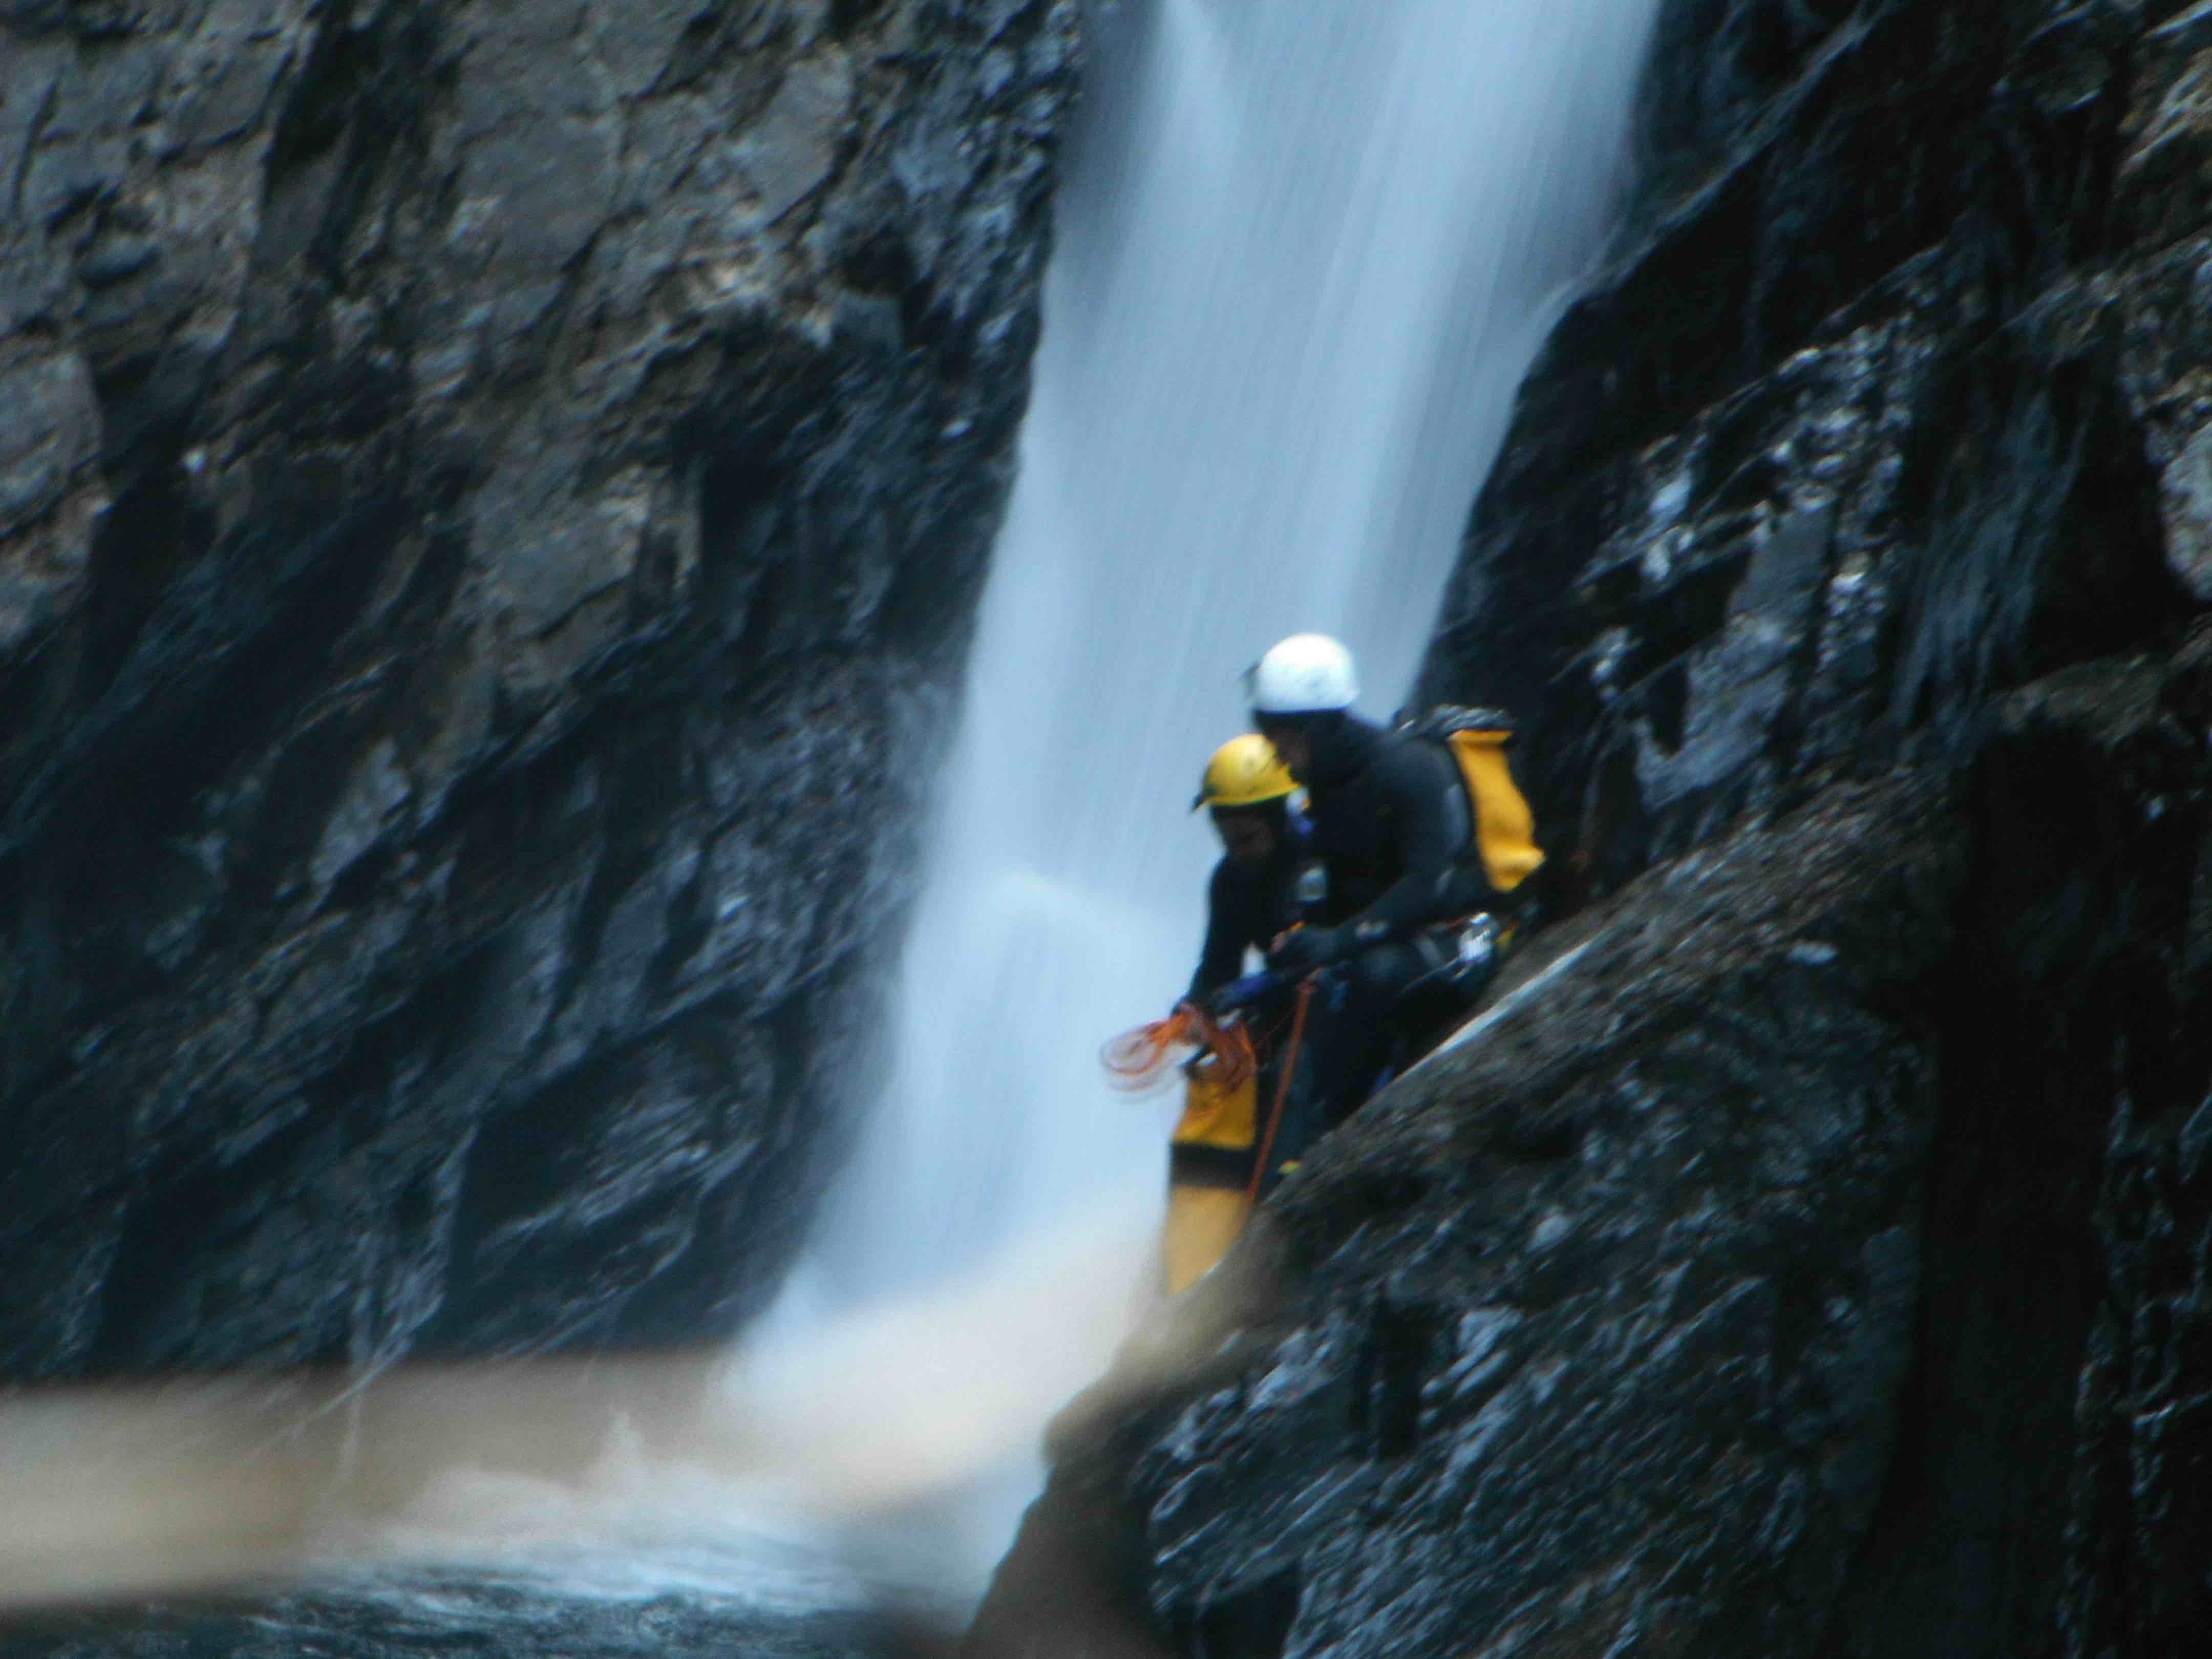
(1139, 1060)
(1282, 1092)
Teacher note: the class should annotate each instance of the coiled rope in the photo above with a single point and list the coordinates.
(1139, 1061)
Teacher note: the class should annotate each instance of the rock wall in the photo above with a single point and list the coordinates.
(1891, 406)
(492, 497)
(1813, 1254)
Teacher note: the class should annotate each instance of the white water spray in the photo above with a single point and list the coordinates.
(1305, 252)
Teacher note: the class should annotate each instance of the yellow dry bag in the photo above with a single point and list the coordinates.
(1505, 828)
(1208, 1173)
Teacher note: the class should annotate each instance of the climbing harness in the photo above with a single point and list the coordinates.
(1464, 954)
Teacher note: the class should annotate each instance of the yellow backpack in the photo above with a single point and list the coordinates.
(1505, 828)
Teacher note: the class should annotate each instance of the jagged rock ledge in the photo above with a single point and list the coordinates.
(1656, 1228)
(1697, 1298)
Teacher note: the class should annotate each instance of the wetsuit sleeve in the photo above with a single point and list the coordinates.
(1428, 807)
(1228, 926)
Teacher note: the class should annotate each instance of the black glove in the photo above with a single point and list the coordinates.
(1307, 948)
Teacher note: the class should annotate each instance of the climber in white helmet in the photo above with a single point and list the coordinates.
(1395, 824)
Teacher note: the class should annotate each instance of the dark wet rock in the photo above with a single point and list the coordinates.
(1881, 409)
(491, 503)
(1811, 1254)
(2049, 1496)
(1804, 1254)
(1598, 1320)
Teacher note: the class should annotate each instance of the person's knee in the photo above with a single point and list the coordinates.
(1378, 978)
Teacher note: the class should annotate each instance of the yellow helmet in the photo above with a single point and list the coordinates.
(1243, 772)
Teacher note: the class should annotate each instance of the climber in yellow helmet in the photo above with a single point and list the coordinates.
(1251, 898)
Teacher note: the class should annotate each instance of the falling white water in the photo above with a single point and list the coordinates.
(1305, 252)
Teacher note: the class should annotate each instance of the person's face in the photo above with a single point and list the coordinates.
(1246, 837)
(1293, 746)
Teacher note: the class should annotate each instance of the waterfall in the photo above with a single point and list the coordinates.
(1305, 252)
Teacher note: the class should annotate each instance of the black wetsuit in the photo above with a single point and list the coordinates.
(1390, 826)
(1246, 906)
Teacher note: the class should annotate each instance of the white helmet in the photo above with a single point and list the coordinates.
(1305, 674)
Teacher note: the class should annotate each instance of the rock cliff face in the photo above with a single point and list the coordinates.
(491, 500)
(1811, 1255)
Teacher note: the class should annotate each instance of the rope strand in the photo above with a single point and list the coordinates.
(1282, 1092)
